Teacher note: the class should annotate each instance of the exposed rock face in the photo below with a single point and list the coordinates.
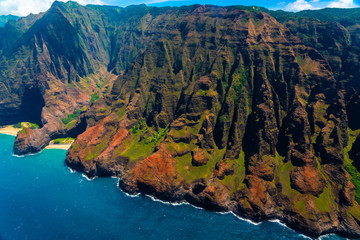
(307, 180)
(44, 61)
(226, 109)
(30, 141)
(223, 107)
(199, 158)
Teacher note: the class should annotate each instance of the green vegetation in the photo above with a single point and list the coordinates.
(349, 167)
(284, 178)
(235, 181)
(355, 179)
(70, 124)
(189, 172)
(238, 83)
(94, 97)
(24, 131)
(156, 136)
(71, 117)
(75, 147)
(63, 140)
(121, 112)
(323, 202)
(98, 149)
(144, 140)
(26, 125)
(4, 19)
(203, 92)
(32, 125)
(137, 127)
(17, 125)
(346, 17)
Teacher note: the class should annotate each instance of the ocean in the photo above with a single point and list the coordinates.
(41, 199)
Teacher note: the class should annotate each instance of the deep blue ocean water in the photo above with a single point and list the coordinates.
(40, 199)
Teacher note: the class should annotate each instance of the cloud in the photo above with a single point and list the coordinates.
(25, 7)
(342, 4)
(299, 5)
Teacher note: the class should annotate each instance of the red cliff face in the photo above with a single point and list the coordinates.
(52, 66)
(227, 110)
(223, 107)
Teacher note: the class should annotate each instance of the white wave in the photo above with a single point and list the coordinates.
(82, 174)
(87, 178)
(9, 134)
(196, 207)
(130, 195)
(29, 154)
(278, 222)
(32, 154)
(240, 218)
(222, 213)
(327, 235)
(169, 203)
(127, 194)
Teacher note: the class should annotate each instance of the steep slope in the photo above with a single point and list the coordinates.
(45, 64)
(226, 109)
(5, 18)
(55, 63)
(335, 33)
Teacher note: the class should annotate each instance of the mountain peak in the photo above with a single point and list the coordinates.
(228, 108)
(71, 4)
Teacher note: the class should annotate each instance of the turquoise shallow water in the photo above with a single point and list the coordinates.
(40, 199)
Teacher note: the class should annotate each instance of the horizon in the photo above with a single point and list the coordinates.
(23, 8)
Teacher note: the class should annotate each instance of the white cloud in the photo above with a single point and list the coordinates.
(342, 4)
(25, 7)
(299, 5)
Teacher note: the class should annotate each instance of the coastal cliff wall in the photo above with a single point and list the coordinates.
(229, 108)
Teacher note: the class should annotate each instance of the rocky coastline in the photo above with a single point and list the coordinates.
(228, 108)
(186, 195)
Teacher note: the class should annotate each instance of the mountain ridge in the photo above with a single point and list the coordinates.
(224, 107)
(5, 18)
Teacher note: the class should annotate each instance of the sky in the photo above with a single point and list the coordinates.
(25, 7)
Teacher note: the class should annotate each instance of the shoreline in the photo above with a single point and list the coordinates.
(58, 146)
(277, 220)
(183, 202)
(10, 130)
(281, 220)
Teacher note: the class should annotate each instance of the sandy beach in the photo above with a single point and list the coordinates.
(58, 146)
(10, 130)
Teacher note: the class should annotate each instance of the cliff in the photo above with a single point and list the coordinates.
(228, 108)
(52, 64)
(5, 18)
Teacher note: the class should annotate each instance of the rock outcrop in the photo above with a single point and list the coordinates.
(52, 66)
(227, 108)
